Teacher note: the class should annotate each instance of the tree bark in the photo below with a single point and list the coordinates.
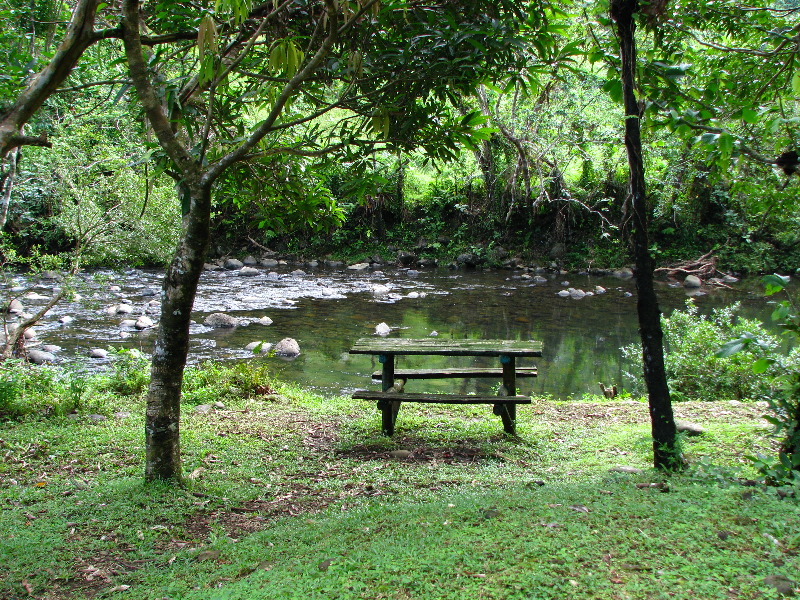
(666, 453)
(162, 417)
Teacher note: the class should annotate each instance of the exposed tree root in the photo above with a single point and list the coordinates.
(704, 267)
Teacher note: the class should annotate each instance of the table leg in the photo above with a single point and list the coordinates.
(388, 408)
(508, 412)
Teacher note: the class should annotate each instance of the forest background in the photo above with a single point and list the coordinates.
(534, 163)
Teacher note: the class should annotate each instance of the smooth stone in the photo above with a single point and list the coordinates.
(40, 357)
(218, 405)
(269, 262)
(413, 295)
(98, 353)
(233, 264)
(97, 418)
(298, 273)
(250, 261)
(248, 271)
(562, 294)
(433, 334)
(15, 307)
(272, 275)
(624, 273)
(359, 267)
(624, 469)
(211, 267)
(127, 323)
(51, 275)
(147, 292)
(690, 429)
(400, 453)
(66, 319)
(220, 321)
(50, 348)
(115, 288)
(35, 296)
(382, 329)
(782, 584)
(599, 289)
(144, 322)
(380, 290)
(266, 321)
(124, 309)
(202, 408)
(122, 415)
(264, 349)
(692, 281)
(539, 279)
(287, 347)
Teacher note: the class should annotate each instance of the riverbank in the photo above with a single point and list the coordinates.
(288, 492)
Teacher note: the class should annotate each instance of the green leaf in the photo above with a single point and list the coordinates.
(762, 364)
(796, 83)
(749, 115)
(613, 87)
(731, 348)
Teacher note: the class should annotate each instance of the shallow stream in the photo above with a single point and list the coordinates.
(327, 310)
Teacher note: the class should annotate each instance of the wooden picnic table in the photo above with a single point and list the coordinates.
(393, 380)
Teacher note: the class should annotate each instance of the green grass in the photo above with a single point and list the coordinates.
(300, 496)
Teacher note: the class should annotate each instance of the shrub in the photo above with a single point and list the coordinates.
(27, 389)
(694, 372)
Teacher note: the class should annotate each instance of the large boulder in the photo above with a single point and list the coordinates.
(233, 264)
(469, 260)
(220, 321)
(406, 259)
(287, 347)
(248, 271)
(250, 261)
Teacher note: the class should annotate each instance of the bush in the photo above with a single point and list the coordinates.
(130, 374)
(215, 382)
(695, 373)
(27, 389)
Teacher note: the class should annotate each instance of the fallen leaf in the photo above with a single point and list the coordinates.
(579, 508)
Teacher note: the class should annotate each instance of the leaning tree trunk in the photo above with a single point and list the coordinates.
(666, 454)
(162, 420)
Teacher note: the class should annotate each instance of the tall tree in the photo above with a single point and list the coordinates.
(382, 71)
(666, 452)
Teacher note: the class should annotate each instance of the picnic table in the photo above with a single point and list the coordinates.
(393, 380)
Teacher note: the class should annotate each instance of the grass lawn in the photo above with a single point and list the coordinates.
(298, 496)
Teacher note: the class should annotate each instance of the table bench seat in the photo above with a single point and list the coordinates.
(466, 373)
(440, 398)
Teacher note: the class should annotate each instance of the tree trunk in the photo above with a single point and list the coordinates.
(666, 453)
(7, 186)
(162, 420)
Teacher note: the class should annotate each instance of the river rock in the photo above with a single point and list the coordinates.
(782, 584)
(148, 293)
(359, 266)
(98, 353)
(626, 469)
(599, 289)
(233, 264)
(539, 279)
(562, 293)
(248, 272)
(212, 267)
(144, 322)
(312, 264)
(413, 295)
(263, 347)
(15, 307)
(35, 296)
(270, 263)
(730, 279)
(498, 254)
(406, 259)
(250, 261)
(273, 276)
(127, 323)
(40, 357)
(380, 290)
(468, 259)
(287, 347)
(51, 348)
(433, 333)
(30, 334)
(427, 263)
(50, 275)
(334, 264)
(66, 320)
(576, 293)
(692, 281)
(298, 273)
(266, 321)
(624, 273)
(382, 329)
(690, 429)
(558, 250)
(220, 321)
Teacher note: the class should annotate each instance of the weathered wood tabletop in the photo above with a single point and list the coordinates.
(447, 347)
(392, 381)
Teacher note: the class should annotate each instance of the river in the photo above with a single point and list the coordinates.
(326, 310)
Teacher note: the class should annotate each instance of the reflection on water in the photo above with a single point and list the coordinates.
(327, 311)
